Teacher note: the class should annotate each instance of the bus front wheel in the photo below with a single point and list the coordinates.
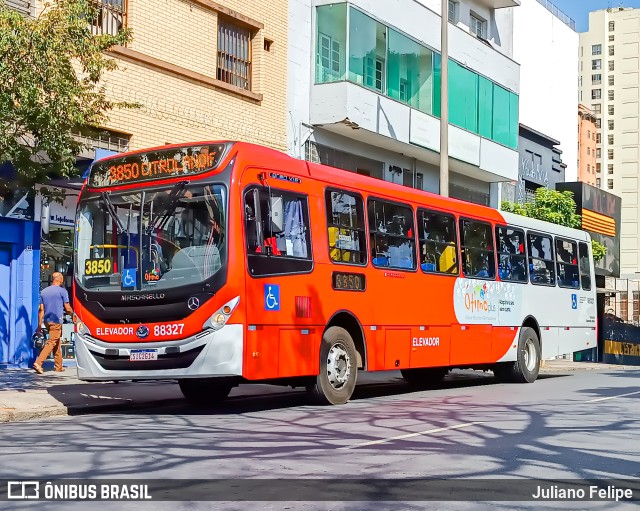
(206, 391)
(527, 365)
(338, 368)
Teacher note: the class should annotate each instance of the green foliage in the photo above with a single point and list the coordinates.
(555, 207)
(51, 69)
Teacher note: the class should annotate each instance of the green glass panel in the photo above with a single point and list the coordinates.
(501, 115)
(513, 120)
(409, 72)
(463, 97)
(331, 44)
(367, 51)
(485, 107)
(437, 84)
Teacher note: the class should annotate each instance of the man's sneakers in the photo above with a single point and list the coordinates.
(38, 368)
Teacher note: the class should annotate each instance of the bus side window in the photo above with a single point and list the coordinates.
(392, 242)
(476, 244)
(541, 260)
(567, 263)
(437, 235)
(512, 258)
(585, 267)
(345, 227)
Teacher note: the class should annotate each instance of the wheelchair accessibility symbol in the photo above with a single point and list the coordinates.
(574, 301)
(129, 277)
(272, 297)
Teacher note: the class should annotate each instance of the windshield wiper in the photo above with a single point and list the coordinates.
(112, 212)
(161, 220)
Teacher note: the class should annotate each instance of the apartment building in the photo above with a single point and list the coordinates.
(364, 91)
(609, 84)
(200, 70)
(587, 137)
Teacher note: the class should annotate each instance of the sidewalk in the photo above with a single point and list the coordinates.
(25, 395)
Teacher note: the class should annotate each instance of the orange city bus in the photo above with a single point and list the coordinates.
(220, 263)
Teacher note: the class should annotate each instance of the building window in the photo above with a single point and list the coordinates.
(611, 51)
(597, 167)
(610, 168)
(588, 133)
(596, 64)
(478, 26)
(611, 65)
(596, 94)
(598, 138)
(610, 95)
(611, 38)
(598, 151)
(588, 151)
(610, 138)
(596, 79)
(453, 11)
(596, 107)
(598, 182)
(588, 169)
(612, 26)
(109, 16)
(610, 154)
(234, 54)
(611, 80)
(610, 109)
(596, 49)
(331, 43)
(610, 124)
(610, 184)
(598, 122)
(367, 51)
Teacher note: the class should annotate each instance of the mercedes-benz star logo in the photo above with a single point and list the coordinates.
(193, 303)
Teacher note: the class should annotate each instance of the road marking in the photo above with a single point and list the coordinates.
(411, 435)
(612, 397)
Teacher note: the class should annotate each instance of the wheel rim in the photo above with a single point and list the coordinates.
(530, 355)
(338, 366)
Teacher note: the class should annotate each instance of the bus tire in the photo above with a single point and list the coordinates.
(425, 377)
(527, 365)
(204, 391)
(336, 381)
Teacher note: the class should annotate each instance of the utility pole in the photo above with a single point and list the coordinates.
(444, 100)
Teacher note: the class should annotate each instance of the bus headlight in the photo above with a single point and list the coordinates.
(82, 329)
(222, 315)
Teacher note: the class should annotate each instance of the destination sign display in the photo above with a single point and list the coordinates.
(153, 165)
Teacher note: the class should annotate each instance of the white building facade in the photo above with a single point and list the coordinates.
(545, 44)
(609, 85)
(364, 91)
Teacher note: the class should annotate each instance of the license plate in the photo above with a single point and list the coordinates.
(139, 355)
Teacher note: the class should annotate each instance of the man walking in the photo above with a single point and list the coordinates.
(54, 300)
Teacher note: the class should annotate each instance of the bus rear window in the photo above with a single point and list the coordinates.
(277, 232)
(541, 261)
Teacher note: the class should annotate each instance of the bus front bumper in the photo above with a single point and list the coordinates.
(207, 354)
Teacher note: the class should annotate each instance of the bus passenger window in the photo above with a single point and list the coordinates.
(585, 267)
(392, 242)
(277, 229)
(512, 259)
(345, 221)
(437, 235)
(476, 243)
(541, 262)
(567, 262)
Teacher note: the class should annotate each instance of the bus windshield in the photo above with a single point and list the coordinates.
(152, 238)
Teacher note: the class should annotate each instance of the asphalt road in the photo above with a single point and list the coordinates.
(583, 425)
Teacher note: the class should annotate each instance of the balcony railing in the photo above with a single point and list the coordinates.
(110, 16)
(23, 6)
(558, 13)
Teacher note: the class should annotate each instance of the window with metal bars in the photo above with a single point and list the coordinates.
(234, 54)
(108, 16)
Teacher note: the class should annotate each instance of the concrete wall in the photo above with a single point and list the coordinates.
(546, 49)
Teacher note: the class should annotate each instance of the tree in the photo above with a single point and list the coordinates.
(557, 208)
(51, 69)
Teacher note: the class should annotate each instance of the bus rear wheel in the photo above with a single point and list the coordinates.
(527, 365)
(204, 391)
(338, 368)
(425, 377)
